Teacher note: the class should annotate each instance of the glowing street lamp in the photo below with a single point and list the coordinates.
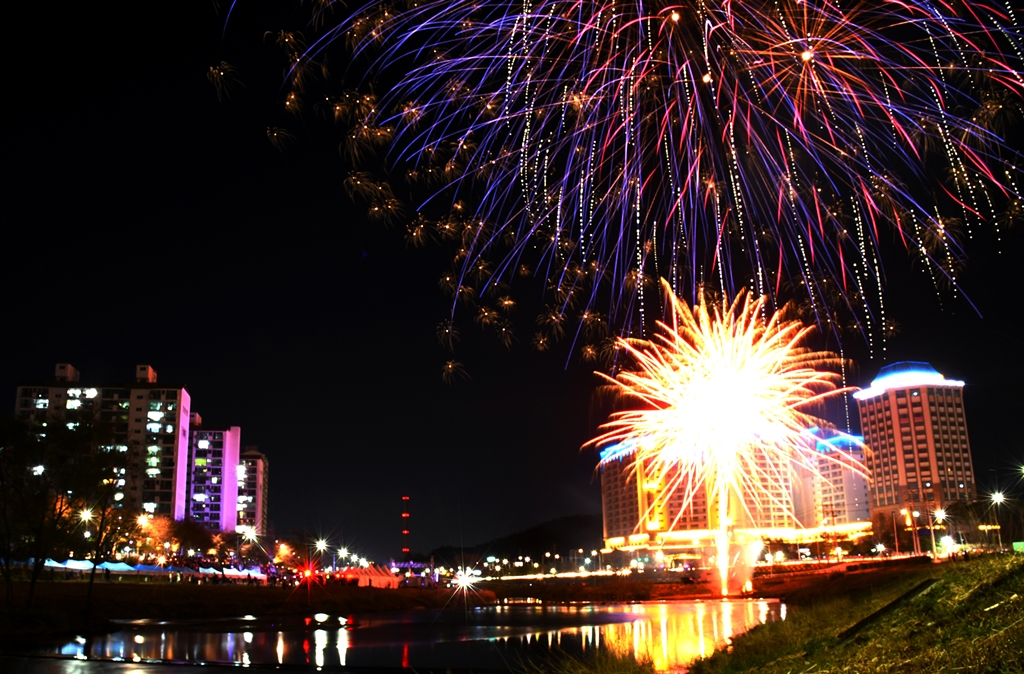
(86, 516)
(895, 532)
(907, 514)
(997, 499)
(936, 516)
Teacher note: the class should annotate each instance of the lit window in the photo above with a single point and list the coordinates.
(168, 428)
(200, 462)
(74, 404)
(91, 393)
(149, 507)
(152, 427)
(153, 472)
(153, 416)
(203, 444)
(199, 497)
(74, 393)
(42, 403)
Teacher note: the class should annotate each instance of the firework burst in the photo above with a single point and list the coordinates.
(723, 398)
(760, 145)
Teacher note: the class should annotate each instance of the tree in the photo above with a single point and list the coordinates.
(192, 535)
(52, 474)
(16, 473)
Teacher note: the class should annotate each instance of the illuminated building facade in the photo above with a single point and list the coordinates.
(636, 513)
(795, 502)
(914, 427)
(840, 494)
(253, 479)
(212, 485)
(150, 423)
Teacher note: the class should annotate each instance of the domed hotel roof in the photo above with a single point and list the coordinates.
(905, 374)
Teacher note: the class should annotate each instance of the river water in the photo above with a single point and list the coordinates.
(499, 638)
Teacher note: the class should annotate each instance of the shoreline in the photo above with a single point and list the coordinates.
(59, 605)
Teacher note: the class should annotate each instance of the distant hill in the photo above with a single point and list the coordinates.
(563, 536)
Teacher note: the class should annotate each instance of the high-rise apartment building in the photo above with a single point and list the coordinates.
(213, 464)
(253, 490)
(914, 427)
(150, 422)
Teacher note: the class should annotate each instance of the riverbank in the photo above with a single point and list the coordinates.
(59, 606)
(951, 617)
(794, 588)
(955, 616)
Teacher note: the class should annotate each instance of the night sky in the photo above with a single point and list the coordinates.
(148, 223)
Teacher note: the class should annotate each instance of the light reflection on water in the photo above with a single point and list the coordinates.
(671, 634)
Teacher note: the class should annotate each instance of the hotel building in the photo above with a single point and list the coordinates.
(647, 507)
(644, 506)
(150, 424)
(253, 479)
(841, 495)
(914, 427)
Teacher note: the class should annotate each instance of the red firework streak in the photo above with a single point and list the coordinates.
(405, 526)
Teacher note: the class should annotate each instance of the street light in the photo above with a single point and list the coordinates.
(907, 515)
(249, 535)
(319, 546)
(895, 532)
(997, 499)
(86, 516)
(935, 516)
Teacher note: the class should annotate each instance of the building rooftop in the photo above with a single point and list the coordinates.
(905, 374)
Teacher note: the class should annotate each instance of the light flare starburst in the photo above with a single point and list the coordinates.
(721, 400)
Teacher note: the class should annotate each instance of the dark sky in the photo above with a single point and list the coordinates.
(146, 223)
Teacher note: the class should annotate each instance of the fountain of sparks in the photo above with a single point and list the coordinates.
(721, 399)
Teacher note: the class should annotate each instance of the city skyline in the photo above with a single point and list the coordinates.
(152, 202)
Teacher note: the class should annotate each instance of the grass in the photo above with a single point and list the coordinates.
(596, 662)
(971, 619)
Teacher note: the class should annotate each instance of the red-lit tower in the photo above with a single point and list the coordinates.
(405, 526)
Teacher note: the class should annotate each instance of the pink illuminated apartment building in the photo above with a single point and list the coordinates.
(176, 466)
(150, 421)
